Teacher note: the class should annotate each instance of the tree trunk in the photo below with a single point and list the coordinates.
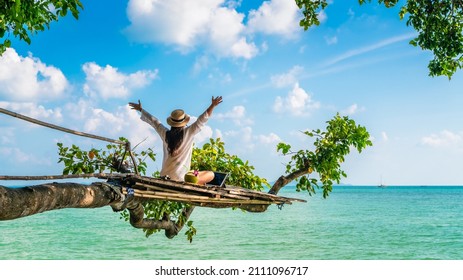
(21, 202)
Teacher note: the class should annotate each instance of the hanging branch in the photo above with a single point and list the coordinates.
(56, 177)
(52, 126)
(79, 133)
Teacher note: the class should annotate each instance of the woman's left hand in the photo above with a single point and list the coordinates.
(216, 100)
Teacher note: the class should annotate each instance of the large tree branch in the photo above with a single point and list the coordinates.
(277, 186)
(285, 180)
(21, 202)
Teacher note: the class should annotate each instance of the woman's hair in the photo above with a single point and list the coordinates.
(174, 138)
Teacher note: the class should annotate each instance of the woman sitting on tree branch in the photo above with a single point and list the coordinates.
(178, 140)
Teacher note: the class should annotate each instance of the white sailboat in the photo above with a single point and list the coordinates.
(381, 185)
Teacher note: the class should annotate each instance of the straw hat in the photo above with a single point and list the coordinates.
(178, 118)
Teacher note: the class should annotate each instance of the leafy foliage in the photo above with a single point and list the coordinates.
(212, 156)
(440, 28)
(439, 25)
(311, 10)
(78, 161)
(23, 17)
(331, 147)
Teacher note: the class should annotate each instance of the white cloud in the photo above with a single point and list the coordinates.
(218, 134)
(287, 79)
(269, 139)
(237, 114)
(203, 135)
(322, 16)
(78, 110)
(248, 141)
(189, 24)
(177, 22)
(34, 111)
(28, 79)
(216, 76)
(225, 35)
(107, 82)
(279, 17)
(331, 40)
(384, 136)
(243, 136)
(444, 139)
(352, 109)
(297, 102)
(123, 122)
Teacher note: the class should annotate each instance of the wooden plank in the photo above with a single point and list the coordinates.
(182, 186)
(205, 199)
(169, 194)
(221, 194)
(153, 187)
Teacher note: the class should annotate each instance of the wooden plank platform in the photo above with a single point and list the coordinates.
(207, 196)
(179, 191)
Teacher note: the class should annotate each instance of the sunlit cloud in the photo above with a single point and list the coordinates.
(237, 115)
(297, 102)
(108, 82)
(28, 78)
(34, 110)
(277, 17)
(187, 25)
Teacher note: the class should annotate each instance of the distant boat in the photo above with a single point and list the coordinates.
(381, 185)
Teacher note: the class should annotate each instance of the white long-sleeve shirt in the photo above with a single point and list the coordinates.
(176, 166)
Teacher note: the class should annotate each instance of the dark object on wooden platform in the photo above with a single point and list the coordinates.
(219, 179)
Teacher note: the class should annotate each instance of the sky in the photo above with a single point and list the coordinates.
(276, 79)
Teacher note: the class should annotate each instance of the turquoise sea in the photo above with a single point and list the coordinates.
(354, 223)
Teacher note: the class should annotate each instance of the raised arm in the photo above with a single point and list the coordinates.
(215, 101)
(136, 106)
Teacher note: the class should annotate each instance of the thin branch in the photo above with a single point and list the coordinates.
(55, 177)
(170, 227)
(134, 148)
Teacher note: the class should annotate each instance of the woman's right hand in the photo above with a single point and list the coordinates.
(136, 106)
